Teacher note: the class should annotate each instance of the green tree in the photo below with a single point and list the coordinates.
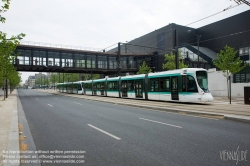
(38, 81)
(144, 69)
(170, 64)
(7, 51)
(228, 63)
(3, 9)
(87, 76)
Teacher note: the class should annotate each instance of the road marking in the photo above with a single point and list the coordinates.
(77, 103)
(37, 98)
(111, 135)
(176, 113)
(55, 97)
(160, 123)
(50, 105)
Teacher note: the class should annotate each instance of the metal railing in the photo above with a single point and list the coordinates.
(31, 43)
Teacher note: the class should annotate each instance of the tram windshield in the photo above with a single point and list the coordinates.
(202, 80)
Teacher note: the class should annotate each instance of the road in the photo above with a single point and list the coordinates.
(109, 134)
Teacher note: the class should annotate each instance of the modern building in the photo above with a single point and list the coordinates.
(198, 46)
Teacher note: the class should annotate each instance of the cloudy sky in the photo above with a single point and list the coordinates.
(101, 23)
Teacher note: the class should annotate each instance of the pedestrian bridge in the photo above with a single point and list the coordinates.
(75, 60)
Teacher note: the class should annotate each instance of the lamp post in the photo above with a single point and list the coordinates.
(198, 45)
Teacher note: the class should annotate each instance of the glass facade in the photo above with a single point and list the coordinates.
(112, 63)
(131, 62)
(53, 59)
(24, 57)
(39, 58)
(67, 60)
(93, 61)
(80, 60)
(244, 51)
(193, 59)
(102, 62)
(244, 75)
(123, 62)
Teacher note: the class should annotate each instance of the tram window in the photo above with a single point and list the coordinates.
(131, 85)
(202, 80)
(102, 85)
(79, 87)
(98, 85)
(165, 84)
(184, 79)
(174, 83)
(124, 84)
(154, 85)
(112, 85)
(191, 84)
(88, 86)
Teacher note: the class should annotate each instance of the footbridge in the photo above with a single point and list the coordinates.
(76, 60)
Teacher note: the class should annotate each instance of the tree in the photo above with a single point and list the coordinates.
(4, 8)
(171, 64)
(144, 69)
(87, 76)
(7, 51)
(228, 63)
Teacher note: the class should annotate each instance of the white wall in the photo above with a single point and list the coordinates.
(217, 84)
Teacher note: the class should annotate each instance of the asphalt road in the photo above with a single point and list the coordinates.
(108, 134)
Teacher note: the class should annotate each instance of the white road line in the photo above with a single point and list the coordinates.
(77, 103)
(37, 98)
(55, 97)
(50, 105)
(111, 135)
(178, 113)
(160, 123)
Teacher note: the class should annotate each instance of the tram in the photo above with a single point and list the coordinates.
(182, 85)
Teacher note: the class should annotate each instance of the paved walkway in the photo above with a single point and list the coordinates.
(6, 111)
(220, 107)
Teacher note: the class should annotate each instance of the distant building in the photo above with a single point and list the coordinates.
(40, 75)
(31, 81)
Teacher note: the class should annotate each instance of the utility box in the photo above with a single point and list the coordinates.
(247, 94)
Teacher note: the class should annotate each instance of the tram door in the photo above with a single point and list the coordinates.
(138, 88)
(102, 88)
(174, 88)
(124, 89)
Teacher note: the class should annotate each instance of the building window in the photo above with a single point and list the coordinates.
(244, 51)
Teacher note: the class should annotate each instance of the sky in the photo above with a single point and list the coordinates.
(102, 23)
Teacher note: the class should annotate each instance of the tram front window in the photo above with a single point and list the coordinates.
(202, 80)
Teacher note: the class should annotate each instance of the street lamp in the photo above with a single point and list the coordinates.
(198, 44)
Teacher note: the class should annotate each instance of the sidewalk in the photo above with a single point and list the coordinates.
(219, 108)
(9, 138)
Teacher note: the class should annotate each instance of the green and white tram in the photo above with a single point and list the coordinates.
(182, 85)
(70, 87)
